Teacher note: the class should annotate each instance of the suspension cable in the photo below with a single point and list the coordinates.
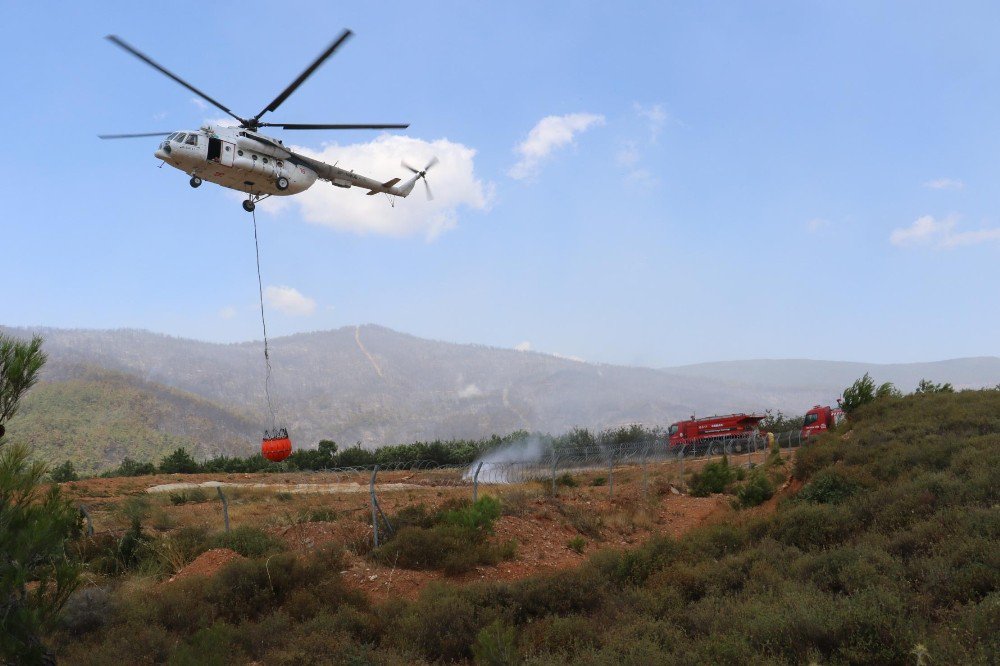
(263, 323)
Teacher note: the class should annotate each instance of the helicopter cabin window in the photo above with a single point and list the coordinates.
(254, 157)
(240, 153)
(264, 159)
(192, 140)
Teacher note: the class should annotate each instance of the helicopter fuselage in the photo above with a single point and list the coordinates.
(238, 159)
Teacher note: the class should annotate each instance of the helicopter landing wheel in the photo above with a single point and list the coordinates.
(195, 181)
(248, 206)
(282, 183)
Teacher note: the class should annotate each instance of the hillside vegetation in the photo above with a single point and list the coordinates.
(96, 418)
(888, 553)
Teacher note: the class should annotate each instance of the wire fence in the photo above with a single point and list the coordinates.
(498, 467)
(547, 465)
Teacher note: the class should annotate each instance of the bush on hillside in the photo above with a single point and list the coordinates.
(714, 477)
(757, 490)
(453, 540)
(890, 545)
(63, 473)
(179, 462)
(248, 541)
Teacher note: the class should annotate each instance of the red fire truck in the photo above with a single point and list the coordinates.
(819, 419)
(715, 434)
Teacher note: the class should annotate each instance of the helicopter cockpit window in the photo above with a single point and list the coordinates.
(192, 140)
(171, 136)
(179, 138)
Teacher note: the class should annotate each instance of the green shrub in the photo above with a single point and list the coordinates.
(179, 462)
(451, 548)
(828, 486)
(714, 477)
(496, 645)
(577, 544)
(567, 480)
(757, 490)
(130, 467)
(598, 481)
(248, 541)
(478, 516)
(63, 473)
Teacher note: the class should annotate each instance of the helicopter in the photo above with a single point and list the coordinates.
(241, 158)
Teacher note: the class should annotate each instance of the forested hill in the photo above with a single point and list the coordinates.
(378, 386)
(95, 418)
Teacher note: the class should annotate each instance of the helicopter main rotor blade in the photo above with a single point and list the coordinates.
(306, 74)
(311, 126)
(131, 136)
(114, 39)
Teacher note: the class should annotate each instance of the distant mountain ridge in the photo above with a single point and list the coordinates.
(377, 386)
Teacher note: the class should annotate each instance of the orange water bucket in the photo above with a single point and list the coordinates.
(276, 446)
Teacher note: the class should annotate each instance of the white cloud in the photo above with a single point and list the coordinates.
(199, 102)
(924, 230)
(227, 312)
(523, 346)
(551, 133)
(655, 116)
(628, 154)
(642, 179)
(816, 224)
(289, 301)
(944, 184)
(453, 181)
(928, 231)
(470, 391)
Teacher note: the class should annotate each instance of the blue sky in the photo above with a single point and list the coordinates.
(735, 180)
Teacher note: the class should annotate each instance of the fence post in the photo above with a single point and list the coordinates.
(680, 465)
(645, 469)
(475, 483)
(553, 472)
(225, 506)
(611, 475)
(86, 514)
(371, 493)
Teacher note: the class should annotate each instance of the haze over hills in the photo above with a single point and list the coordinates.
(378, 386)
(834, 375)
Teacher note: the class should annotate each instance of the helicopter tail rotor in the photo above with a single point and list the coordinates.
(421, 174)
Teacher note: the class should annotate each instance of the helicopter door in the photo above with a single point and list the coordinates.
(227, 153)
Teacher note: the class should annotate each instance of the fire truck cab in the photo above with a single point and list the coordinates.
(820, 419)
